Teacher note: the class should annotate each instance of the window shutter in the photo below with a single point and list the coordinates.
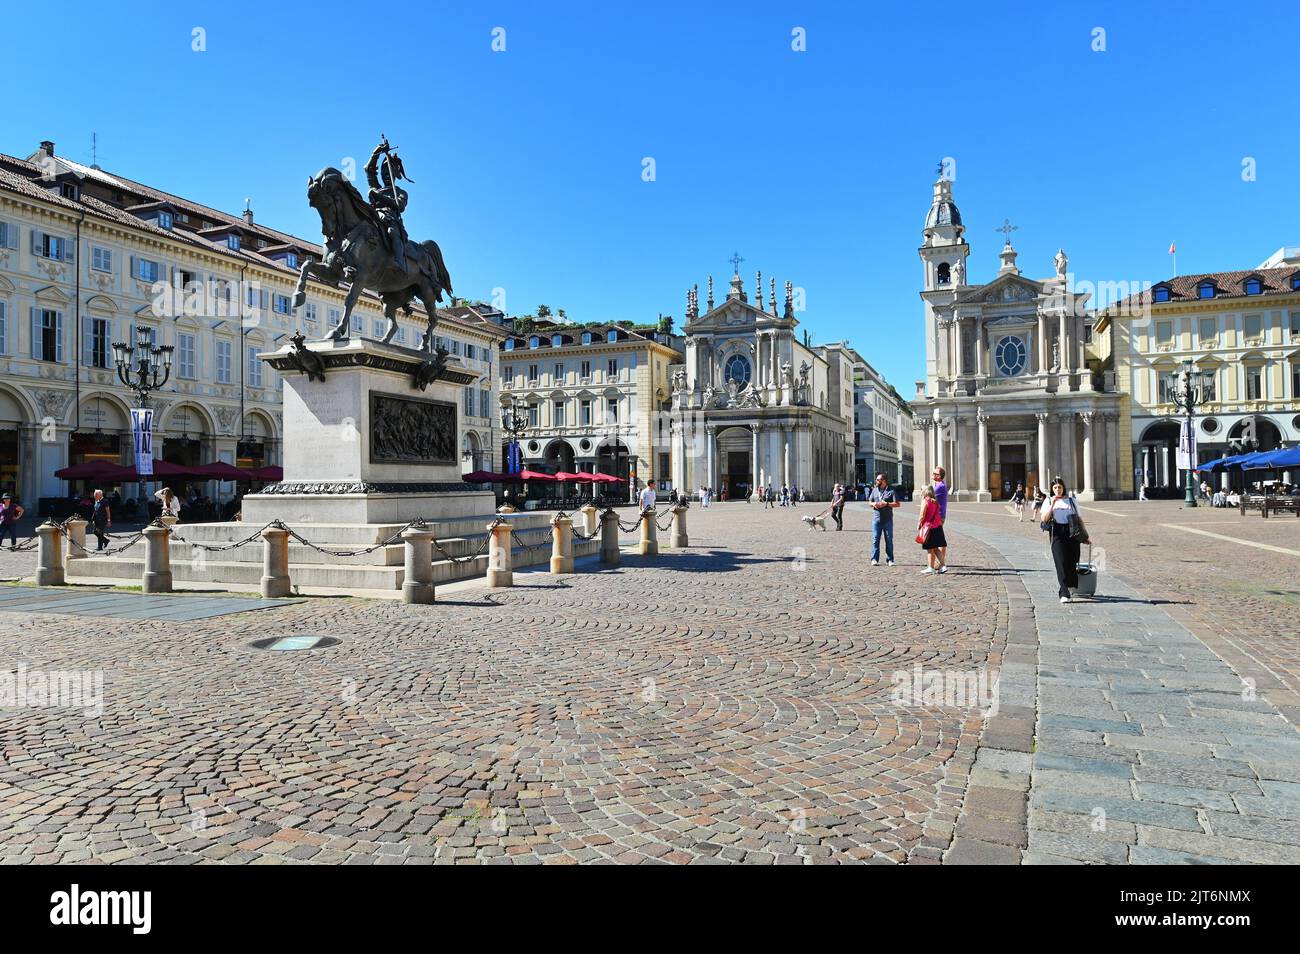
(36, 242)
(69, 249)
(58, 336)
(37, 351)
(87, 340)
(134, 273)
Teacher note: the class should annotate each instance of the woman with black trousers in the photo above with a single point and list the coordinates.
(1055, 518)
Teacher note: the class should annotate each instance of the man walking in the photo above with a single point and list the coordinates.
(941, 497)
(101, 519)
(883, 503)
(646, 498)
(837, 506)
(10, 513)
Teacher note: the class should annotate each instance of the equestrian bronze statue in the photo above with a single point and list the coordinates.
(366, 246)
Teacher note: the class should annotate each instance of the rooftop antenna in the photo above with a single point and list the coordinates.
(94, 150)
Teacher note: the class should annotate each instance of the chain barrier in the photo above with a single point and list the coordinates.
(29, 544)
(222, 547)
(483, 544)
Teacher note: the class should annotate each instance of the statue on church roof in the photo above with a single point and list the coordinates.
(1062, 263)
(710, 396)
(959, 272)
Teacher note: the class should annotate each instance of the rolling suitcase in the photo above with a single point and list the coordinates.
(1087, 576)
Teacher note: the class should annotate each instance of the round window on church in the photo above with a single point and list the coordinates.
(737, 369)
(1011, 355)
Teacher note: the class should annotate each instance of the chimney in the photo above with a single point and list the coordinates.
(248, 211)
(47, 147)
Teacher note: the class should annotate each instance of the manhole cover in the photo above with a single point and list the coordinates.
(293, 643)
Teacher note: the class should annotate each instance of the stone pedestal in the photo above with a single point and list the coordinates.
(275, 563)
(157, 577)
(417, 585)
(500, 558)
(49, 555)
(365, 444)
(589, 519)
(562, 545)
(609, 554)
(679, 539)
(76, 528)
(649, 545)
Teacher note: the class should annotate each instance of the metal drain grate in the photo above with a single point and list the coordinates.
(295, 643)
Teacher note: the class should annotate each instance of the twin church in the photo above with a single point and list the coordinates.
(1008, 395)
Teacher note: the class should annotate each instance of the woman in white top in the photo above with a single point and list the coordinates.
(171, 507)
(1054, 516)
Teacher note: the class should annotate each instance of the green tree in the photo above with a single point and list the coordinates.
(543, 311)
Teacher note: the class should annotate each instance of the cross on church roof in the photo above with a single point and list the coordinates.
(1006, 228)
(735, 261)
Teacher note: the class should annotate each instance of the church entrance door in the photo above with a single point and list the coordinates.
(737, 475)
(1015, 470)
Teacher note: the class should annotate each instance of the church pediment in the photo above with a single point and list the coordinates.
(1007, 288)
(731, 313)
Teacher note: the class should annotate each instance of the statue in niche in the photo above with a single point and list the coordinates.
(959, 273)
(1056, 356)
(710, 395)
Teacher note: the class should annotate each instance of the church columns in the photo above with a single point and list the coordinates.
(1087, 486)
(753, 460)
(1113, 482)
(983, 455)
(938, 441)
(1146, 466)
(1065, 422)
(785, 465)
(1043, 475)
(1063, 347)
(711, 455)
(1044, 349)
(921, 453)
(1164, 465)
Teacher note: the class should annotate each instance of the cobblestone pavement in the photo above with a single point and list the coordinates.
(730, 703)
(1149, 747)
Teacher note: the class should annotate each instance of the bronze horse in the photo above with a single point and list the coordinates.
(355, 252)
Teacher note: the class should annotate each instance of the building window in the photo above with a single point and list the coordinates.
(559, 373)
(557, 340)
(1160, 294)
(1295, 324)
(101, 259)
(310, 312)
(611, 336)
(586, 369)
(612, 369)
(358, 324)
(378, 326)
(232, 242)
(4, 328)
(95, 344)
(185, 355)
(1209, 330)
(534, 341)
(400, 337)
(254, 369)
(1254, 327)
(944, 275)
(485, 402)
(146, 270)
(1253, 286)
(532, 374)
(51, 246)
(165, 220)
(1254, 383)
(469, 402)
(1168, 382)
(611, 411)
(336, 315)
(291, 260)
(534, 416)
(510, 344)
(1205, 290)
(223, 362)
(281, 305)
(47, 334)
(584, 409)
(1164, 334)
(557, 414)
(737, 369)
(508, 374)
(1011, 355)
(586, 337)
(1295, 377)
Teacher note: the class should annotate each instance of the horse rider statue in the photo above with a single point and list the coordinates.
(387, 198)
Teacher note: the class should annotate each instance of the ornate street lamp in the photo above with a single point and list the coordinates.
(144, 368)
(514, 421)
(1191, 390)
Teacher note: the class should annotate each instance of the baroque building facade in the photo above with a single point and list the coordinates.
(88, 257)
(1007, 395)
(752, 405)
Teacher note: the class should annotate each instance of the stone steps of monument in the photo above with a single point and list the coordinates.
(363, 534)
(130, 566)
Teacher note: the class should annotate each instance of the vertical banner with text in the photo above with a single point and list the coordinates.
(142, 437)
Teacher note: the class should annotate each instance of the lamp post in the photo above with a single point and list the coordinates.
(1191, 391)
(514, 422)
(144, 368)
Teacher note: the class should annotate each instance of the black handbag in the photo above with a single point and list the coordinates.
(1076, 530)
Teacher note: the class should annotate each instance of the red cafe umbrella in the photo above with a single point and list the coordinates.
(607, 479)
(271, 472)
(565, 475)
(89, 470)
(220, 470)
(480, 477)
(535, 475)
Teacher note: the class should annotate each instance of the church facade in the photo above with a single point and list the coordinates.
(754, 406)
(1008, 396)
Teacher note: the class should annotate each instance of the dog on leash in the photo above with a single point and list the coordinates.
(817, 521)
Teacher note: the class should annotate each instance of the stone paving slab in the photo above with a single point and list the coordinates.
(60, 601)
(1149, 748)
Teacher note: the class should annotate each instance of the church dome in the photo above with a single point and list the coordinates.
(943, 210)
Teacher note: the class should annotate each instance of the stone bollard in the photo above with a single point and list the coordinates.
(76, 528)
(562, 545)
(588, 520)
(167, 520)
(157, 559)
(49, 554)
(649, 545)
(679, 538)
(609, 538)
(275, 563)
(417, 587)
(500, 556)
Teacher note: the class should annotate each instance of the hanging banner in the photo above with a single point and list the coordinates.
(142, 437)
(1187, 447)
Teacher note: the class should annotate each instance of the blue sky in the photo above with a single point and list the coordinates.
(816, 166)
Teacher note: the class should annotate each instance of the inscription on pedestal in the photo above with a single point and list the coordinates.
(407, 430)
